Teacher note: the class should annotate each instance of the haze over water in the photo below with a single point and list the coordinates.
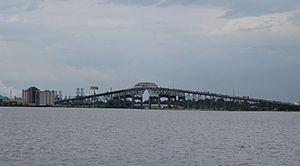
(60, 136)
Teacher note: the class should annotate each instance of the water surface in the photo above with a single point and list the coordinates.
(60, 136)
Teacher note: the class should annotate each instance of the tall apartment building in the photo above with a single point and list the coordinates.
(31, 96)
(34, 97)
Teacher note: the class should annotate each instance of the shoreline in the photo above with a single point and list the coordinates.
(184, 110)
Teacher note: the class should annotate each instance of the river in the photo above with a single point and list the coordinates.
(69, 136)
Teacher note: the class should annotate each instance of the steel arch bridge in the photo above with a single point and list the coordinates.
(174, 99)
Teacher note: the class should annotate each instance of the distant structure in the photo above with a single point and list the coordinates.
(34, 97)
(60, 95)
(94, 88)
(11, 96)
(31, 96)
(79, 92)
(47, 98)
(146, 85)
(171, 98)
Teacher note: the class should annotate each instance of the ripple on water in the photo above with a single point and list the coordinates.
(56, 136)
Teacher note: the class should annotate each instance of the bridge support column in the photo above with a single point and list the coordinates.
(175, 102)
(132, 101)
(124, 102)
(158, 102)
(141, 102)
(169, 102)
(150, 98)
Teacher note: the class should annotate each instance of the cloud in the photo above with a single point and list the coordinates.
(278, 23)
(44, 74)
(18, 6)
(5, 90)
(237, 8)
(295, 19)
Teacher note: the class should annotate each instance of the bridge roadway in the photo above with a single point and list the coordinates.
(155, 92)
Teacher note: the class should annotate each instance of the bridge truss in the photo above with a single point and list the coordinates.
(168, 98)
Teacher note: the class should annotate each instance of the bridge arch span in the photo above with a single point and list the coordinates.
(146, 85)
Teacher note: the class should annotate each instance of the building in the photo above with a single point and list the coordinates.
(47, 98)
(31, 96)
(34, 97)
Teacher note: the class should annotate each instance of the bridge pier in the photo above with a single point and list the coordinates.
(141, 104)
(132, 101)
(169, 102)
(123, 101)
(149, 102)
(158, 102)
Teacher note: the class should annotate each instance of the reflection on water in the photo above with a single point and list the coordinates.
(59, 136)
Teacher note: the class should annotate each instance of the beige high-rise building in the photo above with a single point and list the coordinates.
(33, 96)
(47, 98)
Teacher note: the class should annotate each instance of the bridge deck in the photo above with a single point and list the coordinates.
(173, 92)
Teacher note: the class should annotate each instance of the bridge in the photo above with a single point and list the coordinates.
(170, 98)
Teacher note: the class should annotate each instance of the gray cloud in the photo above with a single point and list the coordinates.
(17, 6)
(237, 8)
(296, 19)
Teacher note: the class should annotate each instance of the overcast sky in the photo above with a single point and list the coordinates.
(251, 46)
